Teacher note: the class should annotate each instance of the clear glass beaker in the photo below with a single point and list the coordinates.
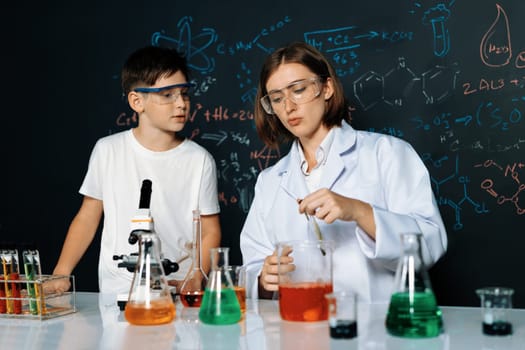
(192, 289)
(342, 314)
(413, 310)
(149, 302)
(304, 283)
(238, 276)
(220, 305)
(495, 301)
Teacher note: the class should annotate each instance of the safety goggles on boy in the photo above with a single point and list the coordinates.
(167, 94)
(298, 92)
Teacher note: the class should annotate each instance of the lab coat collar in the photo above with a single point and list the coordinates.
(290, 167)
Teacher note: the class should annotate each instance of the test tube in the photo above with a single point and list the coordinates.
(29, 269)
(6, 268)
(11, 288)
(39, 292)
(41, 303)
(15, 277)
(3, 307)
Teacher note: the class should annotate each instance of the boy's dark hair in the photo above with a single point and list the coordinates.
(269, 128)
(146, 65)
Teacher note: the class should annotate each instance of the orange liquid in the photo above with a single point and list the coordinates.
(192, 299)
(40, 301)
(241, 296)
(158, 312)
(304, 302)
(15, 290)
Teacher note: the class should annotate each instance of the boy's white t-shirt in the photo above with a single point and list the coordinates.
(183, 179)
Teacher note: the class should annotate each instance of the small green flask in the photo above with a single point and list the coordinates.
(220, 305)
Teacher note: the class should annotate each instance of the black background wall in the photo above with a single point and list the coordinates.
(447, 76)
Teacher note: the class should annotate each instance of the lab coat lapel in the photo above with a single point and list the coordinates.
(292, 181)
(344, 140)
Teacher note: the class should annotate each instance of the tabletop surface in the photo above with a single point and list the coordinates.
(99, 325)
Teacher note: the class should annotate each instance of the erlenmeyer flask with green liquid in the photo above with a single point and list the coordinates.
(219, 305)
(413, 310)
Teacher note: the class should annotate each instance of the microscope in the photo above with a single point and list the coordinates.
(141, 223)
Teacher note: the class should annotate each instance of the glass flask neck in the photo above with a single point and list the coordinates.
(219, 258)
(197, 241)
(411, 244)
(149, 271)
(149, 246)
(219, 276)
(411, 273)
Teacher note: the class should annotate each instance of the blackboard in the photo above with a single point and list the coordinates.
(447, 76)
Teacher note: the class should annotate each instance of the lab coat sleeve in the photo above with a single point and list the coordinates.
(255, 243)
(409, 206)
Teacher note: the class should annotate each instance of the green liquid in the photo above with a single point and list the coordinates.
(30, 276)
(419, 318)
(220, 307)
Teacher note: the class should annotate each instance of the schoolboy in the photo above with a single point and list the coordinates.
(156, 83)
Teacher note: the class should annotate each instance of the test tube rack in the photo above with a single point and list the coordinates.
(34, 302)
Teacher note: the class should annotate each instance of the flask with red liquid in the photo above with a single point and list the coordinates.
(192, 289)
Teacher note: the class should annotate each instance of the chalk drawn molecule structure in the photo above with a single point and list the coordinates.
(511, 171)
(452, 190)
(395, 87)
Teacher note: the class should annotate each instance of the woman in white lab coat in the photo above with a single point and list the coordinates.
(364, 188)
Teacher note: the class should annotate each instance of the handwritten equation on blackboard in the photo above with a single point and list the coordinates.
(467, 125)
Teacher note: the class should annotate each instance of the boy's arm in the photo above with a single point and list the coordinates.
(211, 238)
(79, 236)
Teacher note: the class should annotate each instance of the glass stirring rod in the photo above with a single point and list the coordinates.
(317, 230)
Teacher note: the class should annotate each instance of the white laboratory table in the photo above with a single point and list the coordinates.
(96, 325)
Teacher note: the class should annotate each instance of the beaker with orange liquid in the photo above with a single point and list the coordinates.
(238, 275)
(304, 283)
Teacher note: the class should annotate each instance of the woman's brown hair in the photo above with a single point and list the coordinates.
(269, 128)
